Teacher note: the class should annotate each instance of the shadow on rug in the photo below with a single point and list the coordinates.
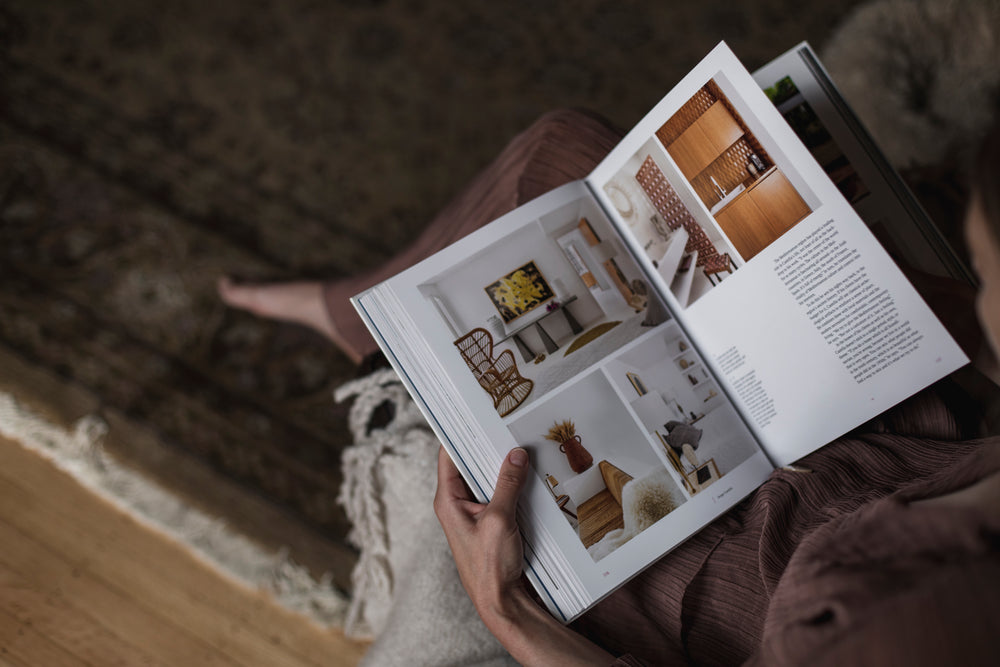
(590, 335)
(143, 154)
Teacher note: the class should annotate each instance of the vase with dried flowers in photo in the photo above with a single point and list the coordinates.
(564, 433)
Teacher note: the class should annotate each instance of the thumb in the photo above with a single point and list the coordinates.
(513, 473)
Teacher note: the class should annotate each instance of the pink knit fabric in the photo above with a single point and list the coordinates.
(827, 567)
(802, 571)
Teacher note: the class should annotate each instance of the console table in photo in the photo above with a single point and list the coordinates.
(550, 345)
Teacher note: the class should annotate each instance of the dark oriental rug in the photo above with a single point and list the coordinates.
(147, 148)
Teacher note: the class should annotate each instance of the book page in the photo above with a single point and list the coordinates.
(808, 323)
(800, 88)
(541, 331)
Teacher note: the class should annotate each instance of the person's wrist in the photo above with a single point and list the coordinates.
(532, 636)
(505, 612)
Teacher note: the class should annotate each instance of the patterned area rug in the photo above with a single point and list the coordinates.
(79, 453)
(146, 149)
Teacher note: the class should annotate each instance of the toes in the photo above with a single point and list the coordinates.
(234, 295)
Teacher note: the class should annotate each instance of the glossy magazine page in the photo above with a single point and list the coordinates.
(801, 313)
(541, 331)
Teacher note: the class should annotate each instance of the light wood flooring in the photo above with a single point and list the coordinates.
(83, 584)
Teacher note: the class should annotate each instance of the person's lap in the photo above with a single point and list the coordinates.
(708, 600)
(559, 147)
(683, 605)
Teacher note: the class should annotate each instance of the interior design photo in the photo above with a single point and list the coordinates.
(542, 304)
(694, 430)
(736, 177)
(708, 192)
(599, 467)
(687, 248)
(621, 447)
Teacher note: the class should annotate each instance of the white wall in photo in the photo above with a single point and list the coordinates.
(462, 288)
(786, 166)
(725, 437)
(605, 428)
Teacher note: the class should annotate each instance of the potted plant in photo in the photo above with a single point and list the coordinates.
(564, 433)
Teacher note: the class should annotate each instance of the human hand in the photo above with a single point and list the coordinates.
(488, 552)
(484, 538)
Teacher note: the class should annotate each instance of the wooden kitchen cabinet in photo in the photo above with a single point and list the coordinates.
(704, 140)
(768, 208)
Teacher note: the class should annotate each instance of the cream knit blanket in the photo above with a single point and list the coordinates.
(406, 589)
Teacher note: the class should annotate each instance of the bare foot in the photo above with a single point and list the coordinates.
(297, 302)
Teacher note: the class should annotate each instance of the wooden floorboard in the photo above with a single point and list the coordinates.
(67, 623)
(62, 402)
(24, 645)
(83, 583)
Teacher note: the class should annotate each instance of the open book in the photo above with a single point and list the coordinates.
(706, 305)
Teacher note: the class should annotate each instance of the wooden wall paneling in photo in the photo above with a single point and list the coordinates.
(720, 127)
(705, 140)
(768, 209)
(692, 151)
(744, 225)
(779, 202)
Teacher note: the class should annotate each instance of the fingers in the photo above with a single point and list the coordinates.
(453, 497)
(450, 482)
(513, 473)
(451, 489)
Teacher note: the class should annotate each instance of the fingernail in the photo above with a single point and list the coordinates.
(518, 457)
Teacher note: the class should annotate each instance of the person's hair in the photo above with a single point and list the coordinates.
(985, 178)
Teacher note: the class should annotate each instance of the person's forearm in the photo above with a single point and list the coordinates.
(533, 637)
(489, 556)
